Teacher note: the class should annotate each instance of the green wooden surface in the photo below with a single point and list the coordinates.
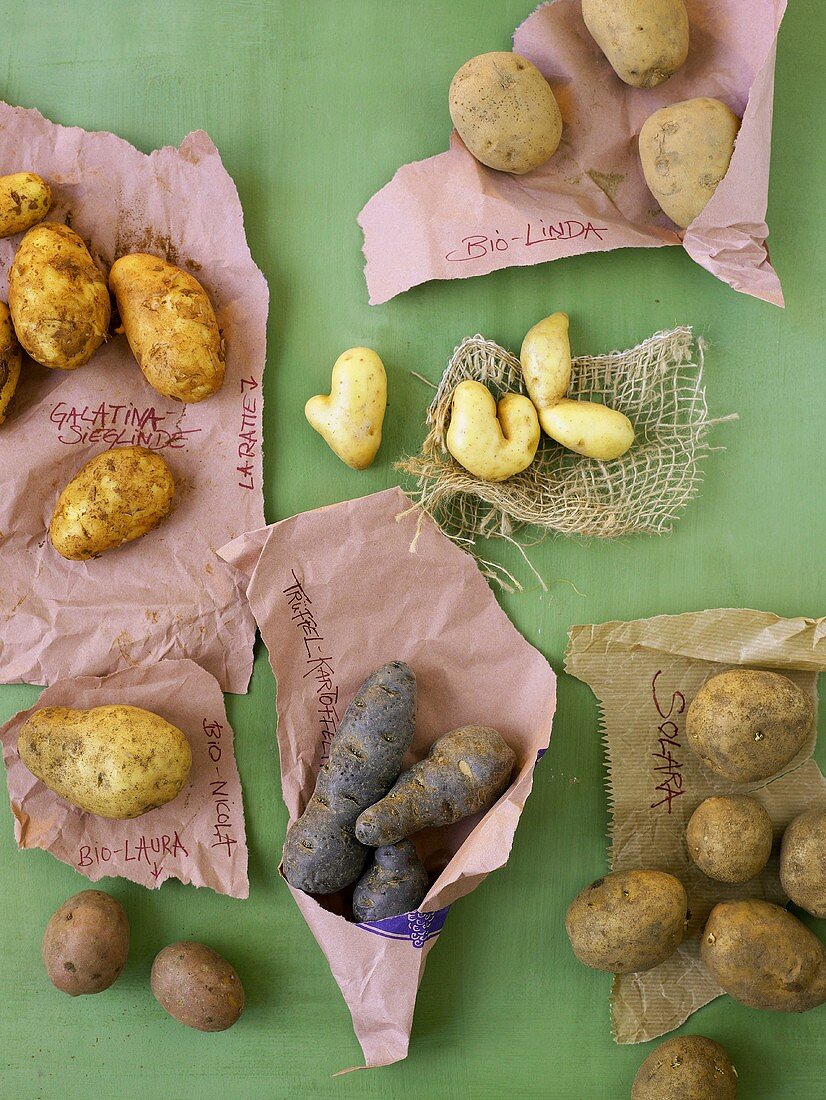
(313, 106)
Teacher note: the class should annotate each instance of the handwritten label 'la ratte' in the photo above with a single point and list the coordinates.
(248, 439)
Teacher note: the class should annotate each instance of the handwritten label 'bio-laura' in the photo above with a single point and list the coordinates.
(668, 733)
(479, 245)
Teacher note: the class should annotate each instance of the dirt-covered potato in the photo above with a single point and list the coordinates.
(730, 838)
(628, 921)
(685, 150)
(58, 298)
(116, 497)
(395, 882)
(170, 326)
(86, 943)
(25, 200)
(197, 986)
(505, 112)
(10, 357)
(645, 41)
(114, 761)
(764, 957)
(463, 774)
(803, 862)
(688, 1067)
(321, 853)
(747, 725)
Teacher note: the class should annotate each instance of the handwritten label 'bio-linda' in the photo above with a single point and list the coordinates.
(668, 743)
(318, 665)
(479, 245)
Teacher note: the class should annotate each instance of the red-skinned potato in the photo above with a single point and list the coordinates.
(86, 943)
(197, 986)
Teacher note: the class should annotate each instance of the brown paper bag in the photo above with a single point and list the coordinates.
(336, 593)
(645, 674)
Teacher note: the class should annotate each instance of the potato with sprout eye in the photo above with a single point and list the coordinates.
(730, 838)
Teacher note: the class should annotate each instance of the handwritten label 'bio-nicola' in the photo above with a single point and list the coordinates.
(668, 742)
(319, 666)
(479, 245)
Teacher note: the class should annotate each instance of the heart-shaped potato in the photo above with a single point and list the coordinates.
(350, 417)
(492, 442)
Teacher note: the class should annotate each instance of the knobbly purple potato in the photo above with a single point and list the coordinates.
(803, 862)
(628, 922)
(86, 943)
(463, 774)
(395, 883)
(321, 853)
(197, 986)
(689, 1067)
(730, 838)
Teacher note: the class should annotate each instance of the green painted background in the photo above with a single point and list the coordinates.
(313, 106)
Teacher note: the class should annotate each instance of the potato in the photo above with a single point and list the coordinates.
(116, 497)
(170, 325)
(747, 725)
(730, 838)
(545, 358)
(803, 862)
(764, 957)
(197, 986)
(10, 357)
(464, 773)
(58, 298)
(493, 442)
(115, 761)
(86, 943)
(396, 882)
(628, 921)
(350, 418)
(321, 853)
(645, 41)
(685, 150)
(505, 112)
(25, 200)
(688, 1067)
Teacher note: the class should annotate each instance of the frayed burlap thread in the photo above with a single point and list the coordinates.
(659, 387)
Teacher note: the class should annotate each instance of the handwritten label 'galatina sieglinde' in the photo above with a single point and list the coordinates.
(479, 245)
(667, 741)
(318, 666)
(248, 441)
(120, 426)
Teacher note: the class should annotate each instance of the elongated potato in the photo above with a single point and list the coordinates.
(170, 325)
(505, 112)
(645, 41)
(545, 358)
(491, 441)
(86, 943)
(349, 419)
(10, 357)
(116, 497)
(58, 298)
(25, 200)
(685, 150)
(114, 761)
(588, 428)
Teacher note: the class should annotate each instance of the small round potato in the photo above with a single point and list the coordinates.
(688, 1067)
(10, 357)
(116, 497)
(730, 838)
(86, 943)
(764, 957)
(197, 986)
(803, 862)
(628, 921)
(645, 41)
(685, 150)
(25, 200)
(747, 725)
(505, 112)
(170, 325)
(58, 298)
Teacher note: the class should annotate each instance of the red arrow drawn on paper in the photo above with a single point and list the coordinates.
(156, 873)
(248, 383)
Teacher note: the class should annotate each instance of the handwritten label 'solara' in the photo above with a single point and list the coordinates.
(667, 740)
(478, 245)
(319, 666)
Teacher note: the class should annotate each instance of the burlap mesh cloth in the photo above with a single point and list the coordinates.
(659, 387)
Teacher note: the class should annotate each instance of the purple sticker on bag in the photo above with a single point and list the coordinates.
(414, 926)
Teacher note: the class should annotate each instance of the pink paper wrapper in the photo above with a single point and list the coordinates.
(167, 594)
(450, 217)
(336, 593)
(198, 837)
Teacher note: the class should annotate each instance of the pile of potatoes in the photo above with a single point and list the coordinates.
(508, 118)
(355, 829)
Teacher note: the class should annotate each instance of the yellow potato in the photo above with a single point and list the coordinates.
(117, 496)
(491, 442)
(645, 41)
(9, 360)
(546, 360)
(350, 418)
(685, 150)
(25, 200)
(505, 112)
(58, 298)
(170, 325)
(114, 761)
